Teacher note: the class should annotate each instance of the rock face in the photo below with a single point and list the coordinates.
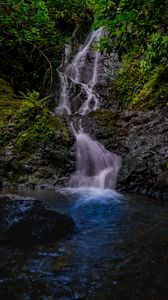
(48, 166)
(108, 68)
(25, 220)
(141, 139)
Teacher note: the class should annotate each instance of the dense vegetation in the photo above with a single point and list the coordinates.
(33, 34)
(32, 38)
(138, 31)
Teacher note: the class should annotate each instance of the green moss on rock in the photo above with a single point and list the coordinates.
(104, 117)
(140, 90)
(129, 82)
(154, 92)
(28, 123)
(6, 91)
(8, 101)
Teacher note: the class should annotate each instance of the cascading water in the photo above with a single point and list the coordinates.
(78, 79)
(95, 166)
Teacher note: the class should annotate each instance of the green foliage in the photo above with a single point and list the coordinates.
(33, 35)
(34, 97)
(21, 20)
(37, 20)
(32, 38)
(131, 23)
(156, 52)
(137, 31)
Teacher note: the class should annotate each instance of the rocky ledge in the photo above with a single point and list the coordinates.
(26, 220)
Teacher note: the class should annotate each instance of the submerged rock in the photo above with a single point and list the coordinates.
(25, 220)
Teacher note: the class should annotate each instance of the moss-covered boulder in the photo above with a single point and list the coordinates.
(34, 143)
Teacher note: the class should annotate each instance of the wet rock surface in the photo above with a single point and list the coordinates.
(141, 139)
(26, 220)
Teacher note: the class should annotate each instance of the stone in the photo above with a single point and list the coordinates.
(45, 167)
(141, 139)
(26, 220)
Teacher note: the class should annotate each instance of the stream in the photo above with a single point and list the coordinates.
(118, 251)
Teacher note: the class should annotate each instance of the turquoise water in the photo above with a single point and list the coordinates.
(118, 251)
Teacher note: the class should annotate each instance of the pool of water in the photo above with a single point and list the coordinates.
(118, 251)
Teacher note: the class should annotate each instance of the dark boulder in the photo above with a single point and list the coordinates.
(25, 220)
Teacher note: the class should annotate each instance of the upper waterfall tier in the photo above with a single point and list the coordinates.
(79, 77)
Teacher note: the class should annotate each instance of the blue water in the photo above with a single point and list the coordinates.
(118, 251)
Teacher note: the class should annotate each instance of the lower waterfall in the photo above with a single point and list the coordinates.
(95, 166)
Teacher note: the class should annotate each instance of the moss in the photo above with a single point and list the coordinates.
(141, 90)
(154, 92)
(129, 82)
(104, 117)
(28, 123)
(42, 130)
(8, 101)
(166, 165)
(5, 89)
(35, 125)
(9, 104)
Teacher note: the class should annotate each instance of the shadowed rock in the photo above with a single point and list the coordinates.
(141, 139)
(25, 220)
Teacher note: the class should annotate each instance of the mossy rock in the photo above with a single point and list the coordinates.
(8, 101)
(138, 90)
(36, 127)
(6, 91)
(104, 117)
(154, 92)
(28, 123)
(129, 83)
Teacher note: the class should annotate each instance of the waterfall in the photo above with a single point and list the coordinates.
(95, 166)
